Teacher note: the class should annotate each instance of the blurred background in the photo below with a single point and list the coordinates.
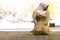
(15, 14)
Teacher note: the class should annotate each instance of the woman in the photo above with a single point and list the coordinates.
(41, 18)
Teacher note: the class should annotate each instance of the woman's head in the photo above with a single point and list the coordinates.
(44, 6)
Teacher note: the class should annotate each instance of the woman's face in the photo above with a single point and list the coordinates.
(45, 8)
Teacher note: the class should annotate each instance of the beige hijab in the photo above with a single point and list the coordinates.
(41, 9)
(43, 6)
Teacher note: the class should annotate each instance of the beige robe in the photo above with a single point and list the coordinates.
(41, 19)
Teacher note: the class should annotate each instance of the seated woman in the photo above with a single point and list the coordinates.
(41, 18)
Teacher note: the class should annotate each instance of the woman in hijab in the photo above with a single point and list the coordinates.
(41, 18)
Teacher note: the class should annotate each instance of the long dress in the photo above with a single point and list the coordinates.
(41, 23)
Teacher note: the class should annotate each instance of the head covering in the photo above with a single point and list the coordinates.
(43, 5)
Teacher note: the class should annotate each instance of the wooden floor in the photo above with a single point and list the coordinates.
(57, 25)
(26, 36)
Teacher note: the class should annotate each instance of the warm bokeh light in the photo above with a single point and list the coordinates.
(21, 6)
(51, 6)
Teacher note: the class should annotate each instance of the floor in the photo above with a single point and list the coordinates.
(25, 36)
